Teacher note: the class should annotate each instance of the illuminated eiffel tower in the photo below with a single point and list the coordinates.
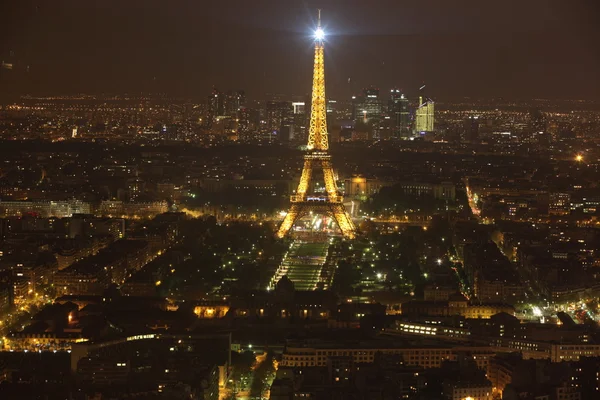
(331, 203)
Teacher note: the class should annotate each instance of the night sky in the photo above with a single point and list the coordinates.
(514, 49)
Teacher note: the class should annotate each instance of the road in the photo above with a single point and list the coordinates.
(20, 315)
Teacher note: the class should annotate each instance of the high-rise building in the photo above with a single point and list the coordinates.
(331, 106)
(368, 106)
(399, 114)
(225, 104)
(356, 107)
(243, 126)
(299, 120)
(233, 102)
(278, 113)
(424, 118)
(299, 108)
(471, 129)
(215, 106)
(538, 127)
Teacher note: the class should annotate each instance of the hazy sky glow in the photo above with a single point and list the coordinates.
(533, 48)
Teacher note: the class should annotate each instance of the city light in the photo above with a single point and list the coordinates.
(298, 212)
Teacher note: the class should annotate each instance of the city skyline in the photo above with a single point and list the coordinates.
(181, 240)
(509, 50)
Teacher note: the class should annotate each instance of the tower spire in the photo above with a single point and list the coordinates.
(317, 135)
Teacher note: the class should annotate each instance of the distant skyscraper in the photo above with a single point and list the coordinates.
(233, 102)
(398, 113)
(332, 108)
(279, 113)
(424, 118)
(299, 107)
(471, 129)
(243, 126)
(368, 106)
(538, 127)
(356, 107)
(215, 106)
(299, 123)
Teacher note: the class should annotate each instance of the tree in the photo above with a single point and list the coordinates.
(261, 374)
(241, 364)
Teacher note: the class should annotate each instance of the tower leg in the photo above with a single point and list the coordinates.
(288, 221)
(305, 178)
(344, 221)
(329, 179)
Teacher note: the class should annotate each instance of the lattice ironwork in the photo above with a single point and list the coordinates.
(336, 210)
(329, 178)
(317, 133)
(318, 145)
(305, 179)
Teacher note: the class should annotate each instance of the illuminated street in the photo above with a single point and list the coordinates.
(254, 200)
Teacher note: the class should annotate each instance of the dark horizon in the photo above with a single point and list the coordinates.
(541, 49)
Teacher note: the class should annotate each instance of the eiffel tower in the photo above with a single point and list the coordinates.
(330, 204)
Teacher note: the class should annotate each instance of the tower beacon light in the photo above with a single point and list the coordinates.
(319, 34)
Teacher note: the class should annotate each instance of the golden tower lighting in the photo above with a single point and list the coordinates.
(318, 156)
